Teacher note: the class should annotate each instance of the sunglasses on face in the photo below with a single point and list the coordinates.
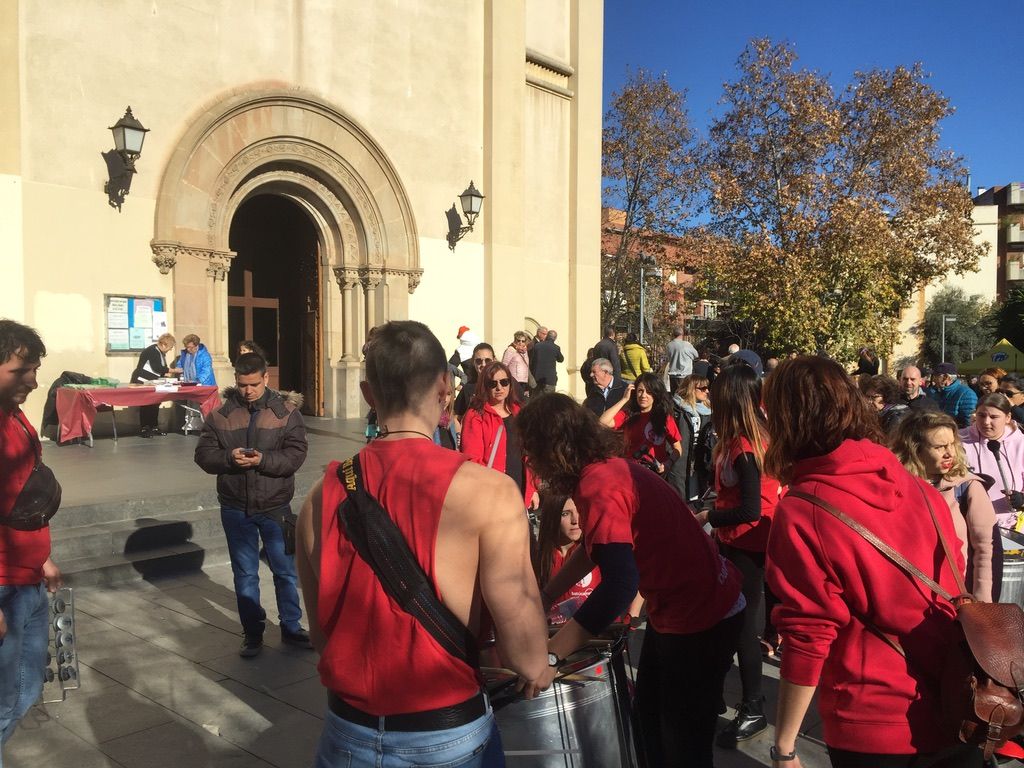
(497, 383)
(1009, 393)
(480, 362)
(703, 389)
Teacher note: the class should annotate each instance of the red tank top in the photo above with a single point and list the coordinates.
(378, 658)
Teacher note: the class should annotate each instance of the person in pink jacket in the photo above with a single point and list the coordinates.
(995, 447)
(928, 445)
(517, 360)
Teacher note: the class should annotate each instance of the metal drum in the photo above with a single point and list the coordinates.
(582, 720)
(1013, 580)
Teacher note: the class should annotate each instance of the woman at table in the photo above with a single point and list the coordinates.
(152, 365)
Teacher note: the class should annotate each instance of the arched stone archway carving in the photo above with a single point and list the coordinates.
(296, 145)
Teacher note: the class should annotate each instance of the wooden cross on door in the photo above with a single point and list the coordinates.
(248, 303)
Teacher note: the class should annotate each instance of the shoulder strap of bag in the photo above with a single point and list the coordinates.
(37, 448)
(891, 554)
(379, 542)
(494, 448)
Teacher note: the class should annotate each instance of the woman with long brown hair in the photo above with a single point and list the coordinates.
(644, 414)
(488, 435)
(559, 536)
(641, 534)
(839, 596)
(746, 500)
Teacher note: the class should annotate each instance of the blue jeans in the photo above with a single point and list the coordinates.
(22, 653)
(243, 534)
(347, 745)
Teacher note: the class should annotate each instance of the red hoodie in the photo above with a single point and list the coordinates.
(828, 578)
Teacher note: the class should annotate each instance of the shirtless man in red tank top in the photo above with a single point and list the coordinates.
(393, 691)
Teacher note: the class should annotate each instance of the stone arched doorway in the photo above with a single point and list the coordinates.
(296, 147)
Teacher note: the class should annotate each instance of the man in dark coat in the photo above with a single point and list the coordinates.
(255, 443)
(543, 357)
(610, 388)
(608, 348)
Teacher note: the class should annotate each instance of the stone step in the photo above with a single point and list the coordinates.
(119, 568)
(137, 535)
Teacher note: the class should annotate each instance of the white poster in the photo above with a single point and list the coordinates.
(144, 315)
(118, 338)
(159, 324)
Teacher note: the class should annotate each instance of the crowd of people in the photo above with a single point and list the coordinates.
(728, 509)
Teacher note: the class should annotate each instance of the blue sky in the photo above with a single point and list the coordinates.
(969, 49)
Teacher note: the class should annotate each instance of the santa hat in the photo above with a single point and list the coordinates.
(462, 330)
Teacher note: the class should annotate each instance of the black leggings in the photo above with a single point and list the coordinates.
(679, 691)
(751, 565)
(960, 756)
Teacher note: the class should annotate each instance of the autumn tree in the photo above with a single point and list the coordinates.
(646, 165)
(828, 208)
(967, 336)
(1007, 319)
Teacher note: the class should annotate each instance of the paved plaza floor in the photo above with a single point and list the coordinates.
(162, 685)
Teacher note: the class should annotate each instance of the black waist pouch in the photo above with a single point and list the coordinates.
(37, 502)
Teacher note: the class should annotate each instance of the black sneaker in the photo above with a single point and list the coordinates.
(251, 646)
(300, 638)
(749, 721)
(145, 432)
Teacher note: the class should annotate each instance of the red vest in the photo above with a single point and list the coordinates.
(378, 658)
(752, 537)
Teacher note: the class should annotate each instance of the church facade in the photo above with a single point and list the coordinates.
(293, 186)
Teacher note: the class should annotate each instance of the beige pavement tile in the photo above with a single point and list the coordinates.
(271, 669)
(41, 741)
(101, 715)
(178, 744)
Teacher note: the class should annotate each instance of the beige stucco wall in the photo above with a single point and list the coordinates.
(981, 282)
(441, 88)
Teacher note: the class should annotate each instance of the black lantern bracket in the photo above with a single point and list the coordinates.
(472, 201)
(129, 135)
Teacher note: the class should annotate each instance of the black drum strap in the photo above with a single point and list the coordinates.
(380, 543)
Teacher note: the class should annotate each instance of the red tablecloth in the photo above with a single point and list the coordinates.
(76, 408)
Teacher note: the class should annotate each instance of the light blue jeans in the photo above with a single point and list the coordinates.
(22, 653)
(347, 745)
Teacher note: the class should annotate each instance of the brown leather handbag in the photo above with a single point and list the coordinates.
(982, 686)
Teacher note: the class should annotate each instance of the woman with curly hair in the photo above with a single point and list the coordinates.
(638, 531)
(644, 414)
(745, 503)
(928, 445)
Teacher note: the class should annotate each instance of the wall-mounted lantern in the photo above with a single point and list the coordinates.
(472, 201)
(129, 135)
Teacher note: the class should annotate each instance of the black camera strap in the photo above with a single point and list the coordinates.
(380, 543)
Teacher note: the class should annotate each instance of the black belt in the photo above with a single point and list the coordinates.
(430, 720)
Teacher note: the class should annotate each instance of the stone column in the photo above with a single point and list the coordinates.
(372, 278)
(217, 344)
(348, 279)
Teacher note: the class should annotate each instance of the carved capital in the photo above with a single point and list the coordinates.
(165, 256)
(220, 264)
(371, 277)
(347, 278)
(414, 276)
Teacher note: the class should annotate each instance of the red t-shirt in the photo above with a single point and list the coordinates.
(378, 658)
(750, 536)
(22, 553)
(688, 585)
(566, 605)
(639, 433)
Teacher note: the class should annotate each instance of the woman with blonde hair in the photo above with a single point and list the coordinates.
(517, 360)
(928, 445)
(692, 411)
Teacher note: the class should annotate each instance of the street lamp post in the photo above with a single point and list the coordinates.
(945, 319)
(646, 260)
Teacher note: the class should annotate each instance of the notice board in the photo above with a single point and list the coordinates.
(133, 322)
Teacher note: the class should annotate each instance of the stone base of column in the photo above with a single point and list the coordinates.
(342, 397)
